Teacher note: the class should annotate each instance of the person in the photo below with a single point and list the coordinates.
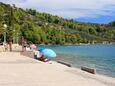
(38, 55)
(5, 46)
(24, 44)
(33, 47)
(10, 46)
(44, 59)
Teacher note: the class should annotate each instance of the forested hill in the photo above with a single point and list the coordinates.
(43, 28)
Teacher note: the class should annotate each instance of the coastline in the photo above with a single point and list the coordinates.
(20, 69)
(78, 66)
(80, 44)
(66, 63)
(90, 55)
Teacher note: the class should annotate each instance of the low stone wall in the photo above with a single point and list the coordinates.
(90, 70)
(64, 63)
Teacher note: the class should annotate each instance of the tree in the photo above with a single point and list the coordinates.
(112, 23)
(45, 28)
(92, 31)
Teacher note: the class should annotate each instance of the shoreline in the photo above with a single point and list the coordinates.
(76, 67)
(101, 67)
(38, 73)
(98, 77)
(77, 44)
(109, 81)
(50, 73)
(79, 67)
(29, 54)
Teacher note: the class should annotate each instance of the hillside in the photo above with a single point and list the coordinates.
(43, 28)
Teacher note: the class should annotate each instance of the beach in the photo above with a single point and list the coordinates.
(99, 57)
(19, 70)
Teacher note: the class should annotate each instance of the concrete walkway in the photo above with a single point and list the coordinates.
(18, 70)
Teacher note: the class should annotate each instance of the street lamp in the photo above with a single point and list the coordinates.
(5, 26)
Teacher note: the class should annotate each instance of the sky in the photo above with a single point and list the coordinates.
(93, 11)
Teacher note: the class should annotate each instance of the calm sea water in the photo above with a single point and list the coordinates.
(101, 57)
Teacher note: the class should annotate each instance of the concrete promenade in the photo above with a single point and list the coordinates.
(18, 70)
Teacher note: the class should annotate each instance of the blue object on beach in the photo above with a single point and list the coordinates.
(41, 49)
(48, 53)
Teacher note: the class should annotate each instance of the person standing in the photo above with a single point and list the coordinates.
(5, 46)
(10, 46)
(24, 44)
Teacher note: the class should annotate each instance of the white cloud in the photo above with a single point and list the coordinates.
(69, 8)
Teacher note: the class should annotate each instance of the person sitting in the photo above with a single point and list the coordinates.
(38, 55)
(44, 59)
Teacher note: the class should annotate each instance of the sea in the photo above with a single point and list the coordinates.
(101, 57)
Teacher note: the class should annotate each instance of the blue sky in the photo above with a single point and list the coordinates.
(95, 11)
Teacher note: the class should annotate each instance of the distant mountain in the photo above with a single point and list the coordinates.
(43, 28)
(100, 19)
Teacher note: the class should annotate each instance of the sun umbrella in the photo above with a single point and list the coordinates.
(41, 49)
(48, 53)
